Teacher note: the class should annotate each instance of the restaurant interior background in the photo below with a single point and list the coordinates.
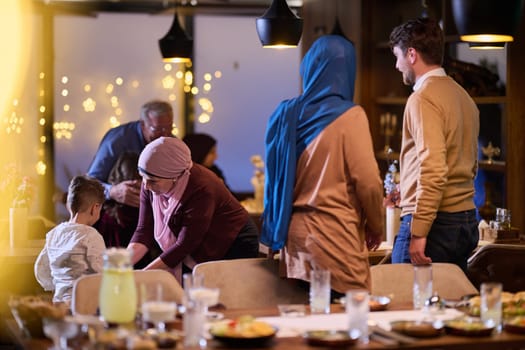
(105, 66)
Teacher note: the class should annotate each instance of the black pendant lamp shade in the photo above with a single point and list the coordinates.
(175, 46)
(487, 21)
(279, 26)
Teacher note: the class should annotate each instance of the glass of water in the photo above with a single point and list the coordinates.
(422, 285)
(491, 308)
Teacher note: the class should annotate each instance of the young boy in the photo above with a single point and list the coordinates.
(73, 248)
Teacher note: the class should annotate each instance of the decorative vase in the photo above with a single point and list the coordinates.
(18, 220)
(393, 219)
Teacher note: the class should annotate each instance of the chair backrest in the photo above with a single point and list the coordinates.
(396, 281)
(251, 283)
(503, 263)
(86, 289)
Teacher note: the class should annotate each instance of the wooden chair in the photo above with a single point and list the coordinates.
(86, 289)
(251, 283)
(503, 263)
(396, 281)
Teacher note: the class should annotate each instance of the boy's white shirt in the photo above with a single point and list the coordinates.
(71, 250)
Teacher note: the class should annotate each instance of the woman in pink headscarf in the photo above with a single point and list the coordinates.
(188, 211)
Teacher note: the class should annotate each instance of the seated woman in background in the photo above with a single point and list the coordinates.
(188, 211)
(203, 149)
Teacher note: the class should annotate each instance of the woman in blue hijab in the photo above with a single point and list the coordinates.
(323, 192)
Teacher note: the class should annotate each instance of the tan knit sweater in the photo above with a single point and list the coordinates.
(438, 160)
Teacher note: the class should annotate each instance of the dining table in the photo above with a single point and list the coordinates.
(290, 331)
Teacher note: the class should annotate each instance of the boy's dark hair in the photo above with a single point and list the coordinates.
(83, 192)
(424, 35)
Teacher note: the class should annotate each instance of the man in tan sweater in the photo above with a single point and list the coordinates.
(438, 156)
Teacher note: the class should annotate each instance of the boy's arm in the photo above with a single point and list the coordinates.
(43, 271)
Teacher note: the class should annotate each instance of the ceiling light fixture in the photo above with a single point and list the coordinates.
(486, 46)
(279, 27)
(176, 46)
(486, 21)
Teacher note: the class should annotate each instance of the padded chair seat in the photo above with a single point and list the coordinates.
(250, 283)
(503, 263)
(396, 280)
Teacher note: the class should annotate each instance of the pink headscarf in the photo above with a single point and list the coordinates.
(168, 158)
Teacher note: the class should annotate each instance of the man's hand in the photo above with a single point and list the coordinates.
(127, 192)
(373, 240)
(417, 251)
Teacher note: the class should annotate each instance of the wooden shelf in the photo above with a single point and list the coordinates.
(495, 165)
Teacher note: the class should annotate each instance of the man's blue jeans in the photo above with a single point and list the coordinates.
(452, 238)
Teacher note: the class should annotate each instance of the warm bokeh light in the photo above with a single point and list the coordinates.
(87, 88)
(109, 88)
(119, 81)
(218, 74)
(63, 129)
(204, 118)
(207, 76)
(168, 67)
(14, 36)
(89, 105)
(64, 80)
(168, 82)
(113, 121)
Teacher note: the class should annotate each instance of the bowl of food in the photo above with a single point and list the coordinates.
(468, 326)
(244, 332)
(418, 329)
(29, 311)
(330, 338)
(515, 324)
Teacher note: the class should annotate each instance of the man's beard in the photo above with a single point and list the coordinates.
(409, 78)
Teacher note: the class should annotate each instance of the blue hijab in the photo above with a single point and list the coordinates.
(328, 74)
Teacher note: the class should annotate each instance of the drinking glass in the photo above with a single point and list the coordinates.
(319, 291)
(357, 308)
(422, 285)
(193, 322)
(195, 290)
(155, 308)
(59, 330)
(491, 308)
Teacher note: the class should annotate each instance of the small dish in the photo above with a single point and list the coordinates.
(330, 338)
(245, 342)
(376, 302)
(515, 325)
(214, 316)
(469, 327)
(418, 329)
(292, 310)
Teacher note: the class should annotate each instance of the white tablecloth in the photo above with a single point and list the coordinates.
(296, 326)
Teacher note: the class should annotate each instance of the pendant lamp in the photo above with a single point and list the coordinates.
(279, 27)
(486, 46)
(487, 21)
(176, 46)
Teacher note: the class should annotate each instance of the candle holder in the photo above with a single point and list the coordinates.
(490, 152)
